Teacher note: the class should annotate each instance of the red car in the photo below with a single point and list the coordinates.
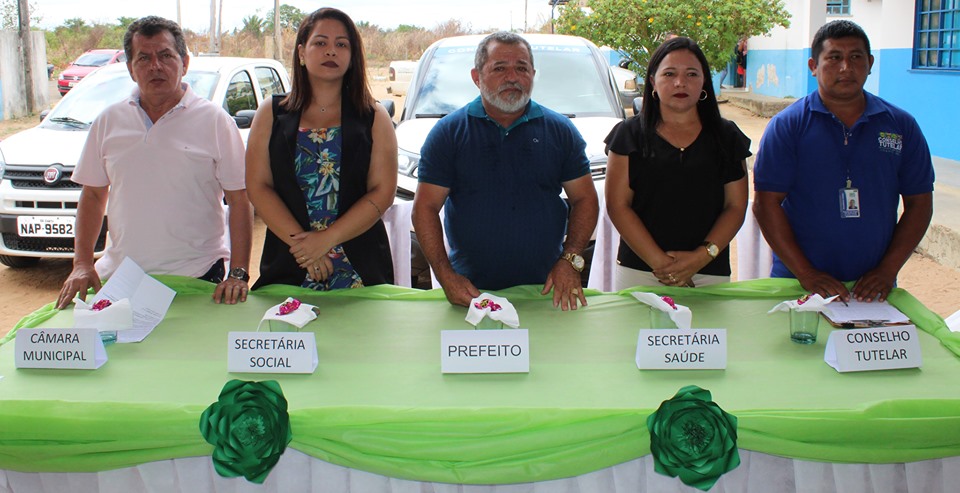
(88, 62)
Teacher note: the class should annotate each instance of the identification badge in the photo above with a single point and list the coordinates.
(849, 202)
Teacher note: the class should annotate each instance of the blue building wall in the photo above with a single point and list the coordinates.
(932, 97)
(785, 73)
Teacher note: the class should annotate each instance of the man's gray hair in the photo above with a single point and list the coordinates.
(502, 37)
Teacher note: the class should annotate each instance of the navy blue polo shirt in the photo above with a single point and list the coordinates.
(504, 217)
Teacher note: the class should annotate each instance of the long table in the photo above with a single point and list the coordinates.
(378, 402)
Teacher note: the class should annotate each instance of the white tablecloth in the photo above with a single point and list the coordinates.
(297, 472)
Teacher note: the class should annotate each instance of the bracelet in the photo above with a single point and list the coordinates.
(379, 213)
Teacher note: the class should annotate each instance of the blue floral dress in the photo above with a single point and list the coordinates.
(317, 166)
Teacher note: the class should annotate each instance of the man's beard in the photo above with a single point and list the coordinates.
(506, 104)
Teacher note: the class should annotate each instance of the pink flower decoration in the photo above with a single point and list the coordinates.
(668, 300)
(100, 305)
(803, 299)
(487, 303)
(289, 307)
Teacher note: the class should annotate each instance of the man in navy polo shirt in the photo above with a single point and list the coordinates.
(498, 166)
(830, 172)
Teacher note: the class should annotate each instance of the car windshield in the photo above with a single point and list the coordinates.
(85, 102)
(567, 81)
(94, 59)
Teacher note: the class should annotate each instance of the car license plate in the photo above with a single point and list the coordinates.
(46, 226)
(71, 84)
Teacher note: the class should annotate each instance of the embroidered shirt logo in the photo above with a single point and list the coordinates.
(890, 142)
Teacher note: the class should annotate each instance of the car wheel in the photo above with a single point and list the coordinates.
(18, 262)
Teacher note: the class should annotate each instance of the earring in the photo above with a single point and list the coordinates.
(656, 96)
(302, 63)
(704, 95)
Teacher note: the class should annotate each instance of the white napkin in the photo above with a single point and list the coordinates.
(814, 303)
(494, 307)
(682, 316)
(298, 318)
(117, 316)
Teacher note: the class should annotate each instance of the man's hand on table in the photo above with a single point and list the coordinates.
(874, 285)
(564, 280)
(231, 291)
(823, 284)
(458, 289)
(82, 278)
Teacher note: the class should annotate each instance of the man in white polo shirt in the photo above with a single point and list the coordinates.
(166, 159)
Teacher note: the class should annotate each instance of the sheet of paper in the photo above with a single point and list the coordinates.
(149, 297)
(862, 311)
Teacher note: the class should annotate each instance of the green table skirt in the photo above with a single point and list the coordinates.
(378, 402)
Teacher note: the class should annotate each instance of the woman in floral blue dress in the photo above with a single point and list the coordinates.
(322, 166)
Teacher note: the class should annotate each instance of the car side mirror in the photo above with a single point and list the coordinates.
(390, 106)
(637, 104)
(43, 114)
(244, 118)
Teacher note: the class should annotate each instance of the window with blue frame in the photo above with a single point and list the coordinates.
(838, 7)
(937, 44)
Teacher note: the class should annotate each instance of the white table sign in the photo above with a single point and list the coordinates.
(271, 352)
(485, 351)
(876, 348)
(63, 349)
(678, 349)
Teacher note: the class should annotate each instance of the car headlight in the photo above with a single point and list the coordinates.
(3, 167)
(407, 162)
(60, 77)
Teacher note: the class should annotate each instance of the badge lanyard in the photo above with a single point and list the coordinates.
(849, 196)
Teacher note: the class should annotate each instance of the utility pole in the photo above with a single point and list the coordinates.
(277, 38)
(220, 27)
(525, 15)
(23, 12)
(179, 19)
(213, 26)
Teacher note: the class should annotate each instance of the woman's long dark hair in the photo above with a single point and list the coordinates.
(355, 86)
(708, 109)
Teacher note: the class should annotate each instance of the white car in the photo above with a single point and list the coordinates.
(572, 78)
(399, 74)
(38, 202)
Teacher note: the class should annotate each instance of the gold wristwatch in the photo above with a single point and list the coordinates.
(575, 260)
(712, 249)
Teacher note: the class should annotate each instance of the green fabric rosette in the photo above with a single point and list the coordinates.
(249, 428)
(691, 437)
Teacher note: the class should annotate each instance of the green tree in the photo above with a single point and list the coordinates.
(253, 25)
(9, 17)
(125, 22)
(637, 27)
(290, 18)
(75, 24)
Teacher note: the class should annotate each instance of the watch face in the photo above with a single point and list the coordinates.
(575, 260)
(578, 262)
(713, 250)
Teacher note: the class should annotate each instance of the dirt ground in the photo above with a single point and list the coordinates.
(24, 290)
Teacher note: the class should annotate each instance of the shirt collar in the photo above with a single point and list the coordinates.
(475, 108)
(873, 106)
(188, 97)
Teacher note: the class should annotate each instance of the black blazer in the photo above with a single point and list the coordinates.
(369, 253)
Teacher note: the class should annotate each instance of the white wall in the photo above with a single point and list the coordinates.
(896, 22)
(14, 104)
(806, 17)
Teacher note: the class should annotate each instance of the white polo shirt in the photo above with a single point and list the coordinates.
(166, 183)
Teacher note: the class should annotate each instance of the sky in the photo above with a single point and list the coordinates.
(480, 15)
